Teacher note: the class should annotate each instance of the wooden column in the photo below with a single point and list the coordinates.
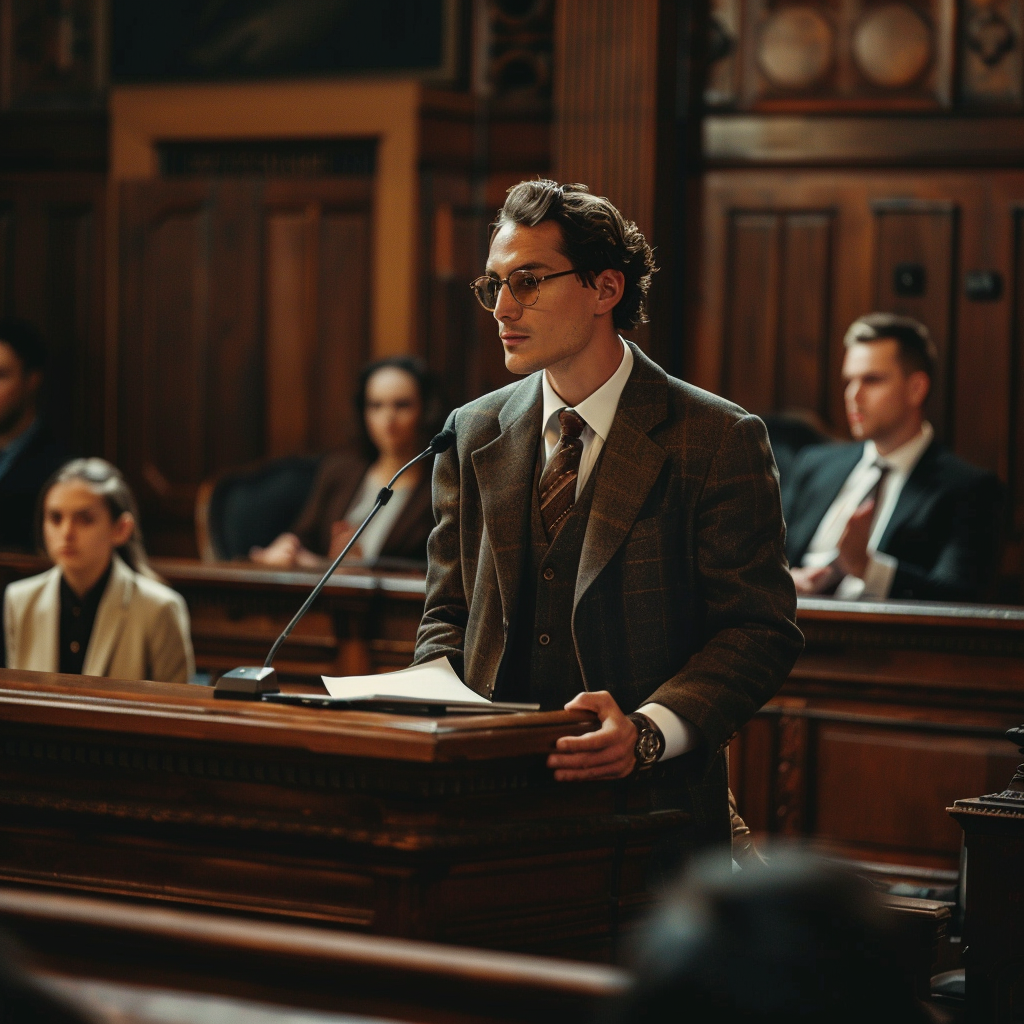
(623, 99)
(606, 95)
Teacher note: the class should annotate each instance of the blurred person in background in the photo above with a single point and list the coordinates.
(892, 514)
(796, 941)
(100, 611)
(399, 409)
(29, 453)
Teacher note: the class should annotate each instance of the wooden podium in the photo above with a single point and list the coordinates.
(450, 829)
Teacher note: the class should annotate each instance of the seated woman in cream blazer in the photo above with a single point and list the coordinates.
(100, 611)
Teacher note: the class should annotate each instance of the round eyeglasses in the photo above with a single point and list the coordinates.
(523, 286)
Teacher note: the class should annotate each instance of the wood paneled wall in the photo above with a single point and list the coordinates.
(52, 261)
(244, 319)
(792, 258)
(606, 94)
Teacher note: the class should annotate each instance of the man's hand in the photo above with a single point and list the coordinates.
(812, 581)
(604, 754)
(853, 545)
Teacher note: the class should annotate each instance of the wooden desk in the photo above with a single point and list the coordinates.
(362, 622)
(450, 829)
(122, 959)
(892, 712)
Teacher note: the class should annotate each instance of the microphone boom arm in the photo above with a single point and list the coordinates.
(383, 497)
(250, 682)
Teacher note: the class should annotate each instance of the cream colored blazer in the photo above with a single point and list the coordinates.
(141, 629)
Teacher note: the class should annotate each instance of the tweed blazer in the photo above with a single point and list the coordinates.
(141, 629)
(682, 595)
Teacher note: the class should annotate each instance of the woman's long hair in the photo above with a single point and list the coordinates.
(106, 482)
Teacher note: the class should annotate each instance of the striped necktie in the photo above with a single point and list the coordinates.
(558, 481)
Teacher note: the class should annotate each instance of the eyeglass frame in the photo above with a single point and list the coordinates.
(502, 282)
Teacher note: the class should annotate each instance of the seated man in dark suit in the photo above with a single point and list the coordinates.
(29, 453)
(892, 514)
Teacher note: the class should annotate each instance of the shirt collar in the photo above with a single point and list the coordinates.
(598, 409)
(91, 598)
(905, 458)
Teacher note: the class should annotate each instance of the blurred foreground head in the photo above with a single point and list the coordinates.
(798, 940)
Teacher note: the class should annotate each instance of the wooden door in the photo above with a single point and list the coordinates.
(243, 321)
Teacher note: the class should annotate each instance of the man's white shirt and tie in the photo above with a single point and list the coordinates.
(886, 477)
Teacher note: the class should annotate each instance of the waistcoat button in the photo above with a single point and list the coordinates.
(544, 639)
(549, 574)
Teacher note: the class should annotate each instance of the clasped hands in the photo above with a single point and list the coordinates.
(606, 753)
(852, 559)
(287, 551)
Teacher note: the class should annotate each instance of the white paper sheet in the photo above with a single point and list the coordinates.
(433, 680)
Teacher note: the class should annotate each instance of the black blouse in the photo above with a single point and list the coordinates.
(77, 617)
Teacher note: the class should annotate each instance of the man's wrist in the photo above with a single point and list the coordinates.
(650, 741)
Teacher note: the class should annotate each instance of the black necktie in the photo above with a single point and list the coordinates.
(558, 481)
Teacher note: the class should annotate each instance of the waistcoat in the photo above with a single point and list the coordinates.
(540, 657)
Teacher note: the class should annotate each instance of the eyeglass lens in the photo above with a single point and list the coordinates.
(521, 283)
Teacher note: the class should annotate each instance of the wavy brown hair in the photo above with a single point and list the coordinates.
(595, 237)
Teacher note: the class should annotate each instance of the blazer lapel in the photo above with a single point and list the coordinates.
(818, 498)
(630, 464)
(506, 468)
(44, 632)
(110, 620)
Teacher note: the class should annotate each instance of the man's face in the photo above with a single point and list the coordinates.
(882, 399)
(17, 389)
(561, 323)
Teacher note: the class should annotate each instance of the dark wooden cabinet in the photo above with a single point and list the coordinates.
(892, 711)
(993, 828)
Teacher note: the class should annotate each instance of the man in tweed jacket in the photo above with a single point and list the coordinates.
(666, 593)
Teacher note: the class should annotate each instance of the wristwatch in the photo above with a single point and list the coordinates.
(650, 743)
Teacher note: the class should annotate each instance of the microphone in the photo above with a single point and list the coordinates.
(250, 682)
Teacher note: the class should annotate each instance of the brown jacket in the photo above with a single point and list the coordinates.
(336, 483)
(141, 629)
(683, 595)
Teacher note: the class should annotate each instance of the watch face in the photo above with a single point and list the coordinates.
(647, 746)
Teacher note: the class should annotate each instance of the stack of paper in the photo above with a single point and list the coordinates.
(433, 680)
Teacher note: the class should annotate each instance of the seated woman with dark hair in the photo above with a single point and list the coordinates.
(398, 408)
(100, 611)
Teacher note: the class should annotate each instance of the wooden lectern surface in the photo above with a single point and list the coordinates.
(449, 828)
(191, 712)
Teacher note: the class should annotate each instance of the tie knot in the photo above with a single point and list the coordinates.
(571, 422)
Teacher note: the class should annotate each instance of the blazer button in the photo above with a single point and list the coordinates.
(544, 639)
(549, 574)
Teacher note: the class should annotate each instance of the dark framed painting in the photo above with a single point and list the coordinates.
(238, 40)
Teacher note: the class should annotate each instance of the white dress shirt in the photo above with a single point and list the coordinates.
(824, 546)
(598, 411)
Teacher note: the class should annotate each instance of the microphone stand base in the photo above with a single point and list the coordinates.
(248, 683)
